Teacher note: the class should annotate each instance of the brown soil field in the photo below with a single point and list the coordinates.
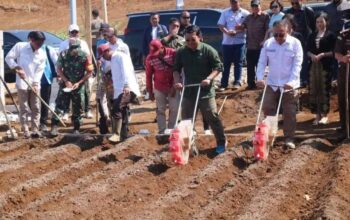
(88, 178)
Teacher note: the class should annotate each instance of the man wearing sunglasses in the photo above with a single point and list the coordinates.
(185, 21)
(304, 17)
(256, 24)
(233, 43)
(200, 64)
(173, 40)
(284, 56)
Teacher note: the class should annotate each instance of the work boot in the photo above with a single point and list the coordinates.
(116, 128)
(54, 130)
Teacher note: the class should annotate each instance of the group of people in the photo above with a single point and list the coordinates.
(175, 57)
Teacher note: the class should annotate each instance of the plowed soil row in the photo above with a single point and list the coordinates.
(88, 178)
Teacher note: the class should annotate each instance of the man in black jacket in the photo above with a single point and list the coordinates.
(153, 31)
(304, 18)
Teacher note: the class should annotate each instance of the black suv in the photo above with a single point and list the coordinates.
(11, 37)
(206, 19)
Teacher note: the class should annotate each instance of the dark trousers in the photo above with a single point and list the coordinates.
(252, 63)
(305, 69)
(232, 54)
(78, 103)
(45, 93)
(341, 96)
(121, 110)
(209, 112)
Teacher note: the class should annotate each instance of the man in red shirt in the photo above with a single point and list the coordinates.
(159, 82)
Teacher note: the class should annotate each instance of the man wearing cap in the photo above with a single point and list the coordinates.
(284, 56)
(233, 42)
(201, 64)
(74, 32)
(104, 93)
(28, 60)
(74, 68)
(256, 24)
(159, 83)
(126, 90)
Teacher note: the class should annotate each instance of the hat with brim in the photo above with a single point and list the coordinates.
(73, 27)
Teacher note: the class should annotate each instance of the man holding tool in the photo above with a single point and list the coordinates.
(201, 64)
(28, 60)
(284, 55)
(342, 54)
(71, 67)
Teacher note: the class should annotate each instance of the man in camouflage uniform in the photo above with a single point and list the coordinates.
(74, 67)
(342, 54)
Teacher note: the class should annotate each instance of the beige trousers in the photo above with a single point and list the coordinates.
(162, 100)
(29, 105)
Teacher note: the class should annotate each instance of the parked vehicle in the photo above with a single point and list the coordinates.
(11, 37)
(206, 19)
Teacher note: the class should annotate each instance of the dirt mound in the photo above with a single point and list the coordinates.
(86, 177)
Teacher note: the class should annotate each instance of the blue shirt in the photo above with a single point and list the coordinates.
(230, 19)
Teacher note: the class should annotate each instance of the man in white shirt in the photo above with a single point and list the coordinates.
(233, 43)
(28, 59)
(284, 55)
(104, 93)
(126, 90)
(73, 30)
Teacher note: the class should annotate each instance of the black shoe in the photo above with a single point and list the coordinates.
(251, 87)
(36, 134)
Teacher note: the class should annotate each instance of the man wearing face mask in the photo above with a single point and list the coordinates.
(284, 56)
(74, 68)
(201, 64)
(28, 60)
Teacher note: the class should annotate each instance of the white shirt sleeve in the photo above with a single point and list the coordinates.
(262, 63)
(221, 20)
(85, 47)
(297, 63)
(12, 55)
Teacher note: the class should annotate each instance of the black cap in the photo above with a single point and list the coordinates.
(255, 3)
